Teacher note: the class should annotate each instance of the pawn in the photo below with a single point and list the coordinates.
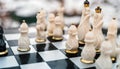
(41, 35)
(72, 42)
(104, 61)
(51, 25)
(58, 32)
(23, 41)
(3, 50)
(88, 52)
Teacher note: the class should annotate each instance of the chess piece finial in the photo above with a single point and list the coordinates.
(72, 42)
(24, 27)
(23, 41)
(88, 52)
(86, 3)
(3, 50)
(98, 9)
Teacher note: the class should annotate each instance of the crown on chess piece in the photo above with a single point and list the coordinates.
(98, 10)
(86, 3)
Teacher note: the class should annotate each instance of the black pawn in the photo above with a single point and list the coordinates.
(3, 50)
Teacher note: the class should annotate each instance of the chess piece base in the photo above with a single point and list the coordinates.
(72, 51)
(4, 52)
(86, 61)
(39, 41)
(57, 38)
(50, 34)
(97, 50)
(81, 42)
(23, 50)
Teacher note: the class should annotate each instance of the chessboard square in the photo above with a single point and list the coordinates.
(8, 61)
(60, 45)
(12, 42)
(42, 65)
(16, 67)
(33, 42)
(62, 64)
(76, 61)
(15, 51)
(52, 55)
(12, 36)
(66, 36)
(44, 47)
(28, 58)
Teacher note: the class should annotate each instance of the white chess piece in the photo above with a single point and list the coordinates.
(97, 28)
(88, 53)
(61, 14)
(112, 35)
(58, 32)
(51, 25)
(41, 18)
(41, 35)
(23, 41)
(84, 25)
(104, 61)
(72, 42)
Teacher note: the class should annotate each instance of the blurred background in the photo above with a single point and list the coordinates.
(12, 12)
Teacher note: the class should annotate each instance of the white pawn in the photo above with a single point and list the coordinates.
(97, 28)
(84, 25)
(88, 53)
(51, 25)
(72, 42)
(104, 61)
(58, 32)
(23, 41)
(112, 35)
(41, 35)
(61, 14)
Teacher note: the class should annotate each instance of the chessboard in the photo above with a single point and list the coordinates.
(48, 55)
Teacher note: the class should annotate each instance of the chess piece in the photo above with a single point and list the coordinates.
(61, 14)
(97, 28)
(41, 18)
(84, 25)
(58, 32)
(41, 35)
(3, 50)
(51, 25)
(112, 35)
(88, 52)
(72, 42)
(23, 41)
(104, 61)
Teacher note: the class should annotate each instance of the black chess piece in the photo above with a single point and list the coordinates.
(3, 50)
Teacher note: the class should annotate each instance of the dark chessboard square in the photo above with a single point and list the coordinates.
(12, 42)
(28, 58)
(18, 67)
(72, 55)
(62, 64)
(90, 68)
(44, 47)
(52, 40)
